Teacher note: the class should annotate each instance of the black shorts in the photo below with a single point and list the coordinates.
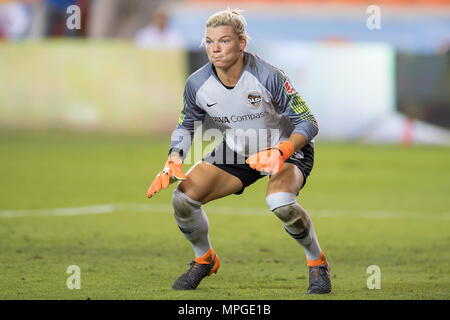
(226, 159)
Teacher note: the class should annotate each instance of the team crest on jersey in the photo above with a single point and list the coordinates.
(254, 98)
(288, 87)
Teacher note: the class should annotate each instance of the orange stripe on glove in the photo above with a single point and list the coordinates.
(172, 172)
(271, 159)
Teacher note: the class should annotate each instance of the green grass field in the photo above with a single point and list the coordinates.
(371, 205)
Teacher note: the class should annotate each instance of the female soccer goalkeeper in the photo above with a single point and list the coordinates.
(242, 94)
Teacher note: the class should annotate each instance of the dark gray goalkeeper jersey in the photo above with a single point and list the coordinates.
(260, 111)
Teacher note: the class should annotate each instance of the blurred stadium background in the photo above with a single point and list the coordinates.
(86, 117)
(387, 84)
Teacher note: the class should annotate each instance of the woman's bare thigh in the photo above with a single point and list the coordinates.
(207, 182)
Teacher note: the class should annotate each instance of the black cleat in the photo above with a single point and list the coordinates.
(197, 271)
(319, 279)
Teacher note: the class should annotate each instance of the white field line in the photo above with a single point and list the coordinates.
(211, 209)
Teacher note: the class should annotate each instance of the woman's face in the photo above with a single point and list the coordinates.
(223, 46)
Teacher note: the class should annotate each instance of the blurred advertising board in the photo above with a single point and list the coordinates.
(102, 86)
(348, 87)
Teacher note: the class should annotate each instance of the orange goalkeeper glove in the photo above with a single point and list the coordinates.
(271, 160)
(172, 172)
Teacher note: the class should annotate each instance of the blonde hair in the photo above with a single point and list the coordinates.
(229, 17)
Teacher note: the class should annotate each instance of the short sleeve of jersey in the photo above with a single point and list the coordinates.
(291, 104)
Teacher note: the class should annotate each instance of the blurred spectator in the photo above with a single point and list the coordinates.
(120, 18)
(14, 19)
(158, 34)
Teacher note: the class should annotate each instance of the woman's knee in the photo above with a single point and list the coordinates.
(183, 204)
(286, 208)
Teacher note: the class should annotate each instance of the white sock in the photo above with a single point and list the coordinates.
(306, 237)
(192, 221)
(308, 240)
